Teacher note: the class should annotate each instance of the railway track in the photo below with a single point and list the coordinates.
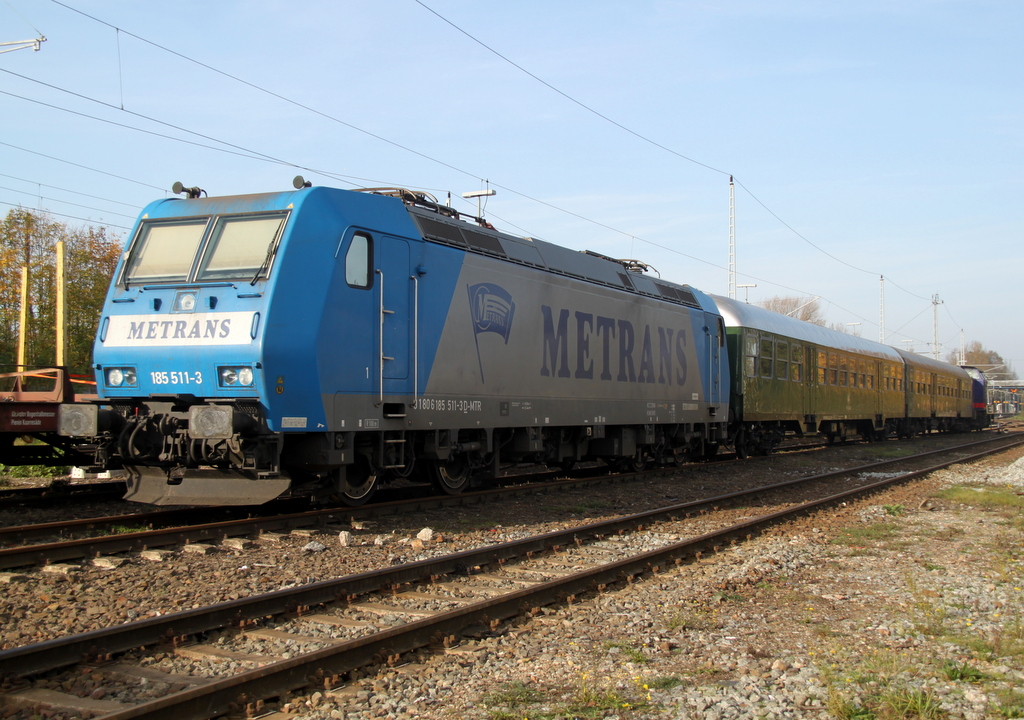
(100, 537)
(371, 619)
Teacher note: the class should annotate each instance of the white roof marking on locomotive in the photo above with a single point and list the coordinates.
(738, 314)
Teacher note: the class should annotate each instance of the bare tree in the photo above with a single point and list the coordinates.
(801, 308)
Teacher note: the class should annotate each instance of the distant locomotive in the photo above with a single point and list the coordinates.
(324, 341)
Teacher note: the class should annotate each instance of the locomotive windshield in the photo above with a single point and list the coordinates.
(240, 247)
(237, 248)
(165, 250)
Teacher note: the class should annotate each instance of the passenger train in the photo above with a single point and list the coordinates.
(325, 341)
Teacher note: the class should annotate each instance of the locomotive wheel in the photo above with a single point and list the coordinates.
(357, 495)
(634, 464)
(360, 483)
(451, 477)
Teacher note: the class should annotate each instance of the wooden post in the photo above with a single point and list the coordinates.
(23, 325)
(61, 309)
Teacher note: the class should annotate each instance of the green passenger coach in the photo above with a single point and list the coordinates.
(789, 376)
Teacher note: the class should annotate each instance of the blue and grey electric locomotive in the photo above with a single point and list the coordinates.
(324, 340)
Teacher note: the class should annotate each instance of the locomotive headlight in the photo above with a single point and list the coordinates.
(235, 376)
(121, 376)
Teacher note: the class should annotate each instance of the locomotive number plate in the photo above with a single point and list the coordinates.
(176, 378)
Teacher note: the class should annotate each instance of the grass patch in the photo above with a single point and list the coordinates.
(514, 695)
(962, 672)
(592, 703)
(634, 655)
(32, 471)
(127, 529)
(910, 703)
(894, 510)
(988, 497)
(727, 597)
(868, 535)
(664, 682)
(1008, 702)
(844, 708)
(1007, 641)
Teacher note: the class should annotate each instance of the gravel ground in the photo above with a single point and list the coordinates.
(904, 605)
(907, 605)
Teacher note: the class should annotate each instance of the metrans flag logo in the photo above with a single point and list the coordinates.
(492, 309)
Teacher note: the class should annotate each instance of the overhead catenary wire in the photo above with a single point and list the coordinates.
(465, 172)
(70, 217)
(66, 202)
(83, 167)
(68, 190)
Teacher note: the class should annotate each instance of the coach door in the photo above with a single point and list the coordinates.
(395, 308)
(714, 336)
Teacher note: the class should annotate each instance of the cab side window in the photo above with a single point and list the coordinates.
(358, 261)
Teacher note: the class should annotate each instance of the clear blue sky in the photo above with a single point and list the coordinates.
(890, 135)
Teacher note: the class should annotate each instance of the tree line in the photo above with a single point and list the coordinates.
(29, 238)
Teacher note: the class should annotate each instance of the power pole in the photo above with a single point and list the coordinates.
(732, 238)
(881, 309)
(935, 325)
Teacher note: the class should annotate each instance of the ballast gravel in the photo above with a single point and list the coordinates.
(789, 625)
(861, 609)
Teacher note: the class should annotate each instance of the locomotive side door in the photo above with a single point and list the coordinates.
(394, 309)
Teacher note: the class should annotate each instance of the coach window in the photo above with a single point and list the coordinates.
(358, 260)
(796, 352)
(822, 366)
(782, 360)
(750, 354)
(833, 369)
(767, 353)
